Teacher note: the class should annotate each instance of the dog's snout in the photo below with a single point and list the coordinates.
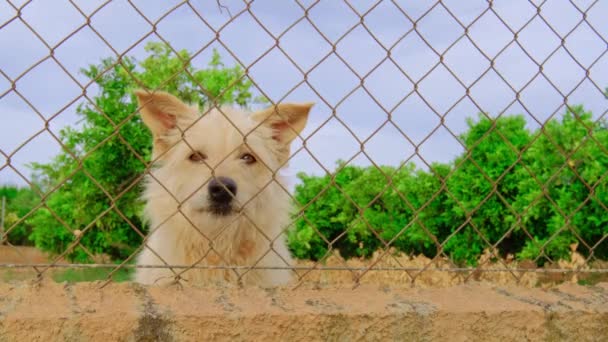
(222, 190)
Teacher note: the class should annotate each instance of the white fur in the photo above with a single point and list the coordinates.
(176, 198)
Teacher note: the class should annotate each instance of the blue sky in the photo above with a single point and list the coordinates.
(360, 93)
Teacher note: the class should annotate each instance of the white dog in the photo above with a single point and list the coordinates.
(214, 196)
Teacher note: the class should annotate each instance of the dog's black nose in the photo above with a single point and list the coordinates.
(222, 190)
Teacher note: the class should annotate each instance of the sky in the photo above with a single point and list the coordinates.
(342, 48)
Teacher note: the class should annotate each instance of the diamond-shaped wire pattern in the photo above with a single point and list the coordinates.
(390, 78)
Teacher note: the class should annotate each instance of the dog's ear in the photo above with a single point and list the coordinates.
(161, 111)
(286, 120)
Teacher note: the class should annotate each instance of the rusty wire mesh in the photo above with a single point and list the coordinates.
(412, 29)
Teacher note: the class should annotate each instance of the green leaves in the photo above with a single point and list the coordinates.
(385, 211)
(509, 185)
(19, 202)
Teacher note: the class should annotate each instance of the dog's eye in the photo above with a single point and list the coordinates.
(248, 158)
(197, 157)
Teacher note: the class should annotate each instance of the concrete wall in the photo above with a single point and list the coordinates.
(49, 311)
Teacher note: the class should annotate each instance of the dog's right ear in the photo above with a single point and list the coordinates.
(161, 111)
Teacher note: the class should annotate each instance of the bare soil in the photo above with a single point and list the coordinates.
(17, 255)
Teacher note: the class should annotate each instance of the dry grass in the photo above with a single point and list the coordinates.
(424, 272)
(421, 271)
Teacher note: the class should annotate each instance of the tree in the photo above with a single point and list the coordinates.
(97, 176)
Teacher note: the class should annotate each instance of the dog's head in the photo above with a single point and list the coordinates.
(216, 163)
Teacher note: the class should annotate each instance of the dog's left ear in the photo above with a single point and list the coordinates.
(287, 120)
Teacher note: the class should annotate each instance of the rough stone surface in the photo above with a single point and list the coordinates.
(48, 311)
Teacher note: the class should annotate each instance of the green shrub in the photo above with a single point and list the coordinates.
(511, 189)
(483, 187)
(387, 210)
(566, 192)
(19, 202)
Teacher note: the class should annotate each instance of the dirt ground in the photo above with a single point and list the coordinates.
(432, 273)
(423, 271)
(21, 254)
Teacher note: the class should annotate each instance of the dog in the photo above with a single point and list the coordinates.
(213, 196)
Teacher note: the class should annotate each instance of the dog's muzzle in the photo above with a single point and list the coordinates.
(222, 191)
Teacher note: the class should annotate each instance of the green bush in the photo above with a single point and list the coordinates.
(483, 187)
(567, 183)
(511, 185)
(19, 202)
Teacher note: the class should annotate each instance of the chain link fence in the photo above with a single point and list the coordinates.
(457, 56)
